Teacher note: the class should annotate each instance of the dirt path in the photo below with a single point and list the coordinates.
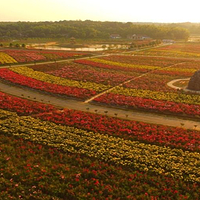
(109, 90)
(50, 62)
(171, 83)
(114, 112)
(87, 106)
(127, 81)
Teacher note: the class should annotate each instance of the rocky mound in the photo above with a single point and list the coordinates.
(194, 83)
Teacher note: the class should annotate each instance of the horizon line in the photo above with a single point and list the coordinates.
(10, 21)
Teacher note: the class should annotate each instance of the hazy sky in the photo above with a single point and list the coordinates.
(101, 10)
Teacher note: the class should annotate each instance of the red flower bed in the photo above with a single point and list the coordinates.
(186, 47)
(33, 171)
(142, 60)
(150, 104)
(61, 54)
(48, 87)
(178, 74)
(105, 66)
(153, 82)
(157, 134)
(90, 75)
(48, 67)
(22, 56)
(23, 106)
(190, 65)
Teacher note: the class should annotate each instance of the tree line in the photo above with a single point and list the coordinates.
(193, 28)
(89, 30)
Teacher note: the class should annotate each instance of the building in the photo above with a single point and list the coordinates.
(138, 37)
(115, 36)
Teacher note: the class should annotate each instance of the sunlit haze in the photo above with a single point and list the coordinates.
(101, 10)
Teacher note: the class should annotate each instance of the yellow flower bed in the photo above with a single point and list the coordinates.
(123, 64)
(157, 95)
(144, 157)
(5, 58)
(57, 80)
(176, 69)
(168, 53)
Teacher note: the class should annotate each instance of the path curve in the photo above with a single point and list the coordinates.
(171, 83)
(93, 108)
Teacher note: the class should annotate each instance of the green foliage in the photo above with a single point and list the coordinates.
(17, 45)
(89, 30)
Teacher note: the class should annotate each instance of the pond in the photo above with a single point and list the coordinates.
(89, 48)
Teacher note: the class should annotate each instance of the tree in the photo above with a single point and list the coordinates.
(17, 45)
(93, 29)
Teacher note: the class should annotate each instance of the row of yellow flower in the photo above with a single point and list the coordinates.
(179, 69)
(5, 58)
(168, 53)
(58, 80)
(144, 157)
(158, 95)
(124, 64)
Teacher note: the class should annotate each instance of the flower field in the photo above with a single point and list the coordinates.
(86, 78)
(133, 68)
(174, 50)
(23, 106)
(6, 59)
(86, 73)
(155, 134)
(49, 152)
(69, 91)
(31, 170)
(123, 144)
(151, 92)
(26, 56)
(141, 60)
(47, 78)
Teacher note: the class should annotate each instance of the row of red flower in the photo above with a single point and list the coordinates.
(90, 75)
(13, 77)
(38, 55)
(33, 171)
(186, 47)
(174, 72)
(142, 60)
(193, 64)
(153, 82)
(113, 126)
(22, 56)
(106, 66)
(161, 106)
(177, 74)
(23, 106)
(149, 133)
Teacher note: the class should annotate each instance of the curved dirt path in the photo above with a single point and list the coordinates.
(171, 83)
(93, 108)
